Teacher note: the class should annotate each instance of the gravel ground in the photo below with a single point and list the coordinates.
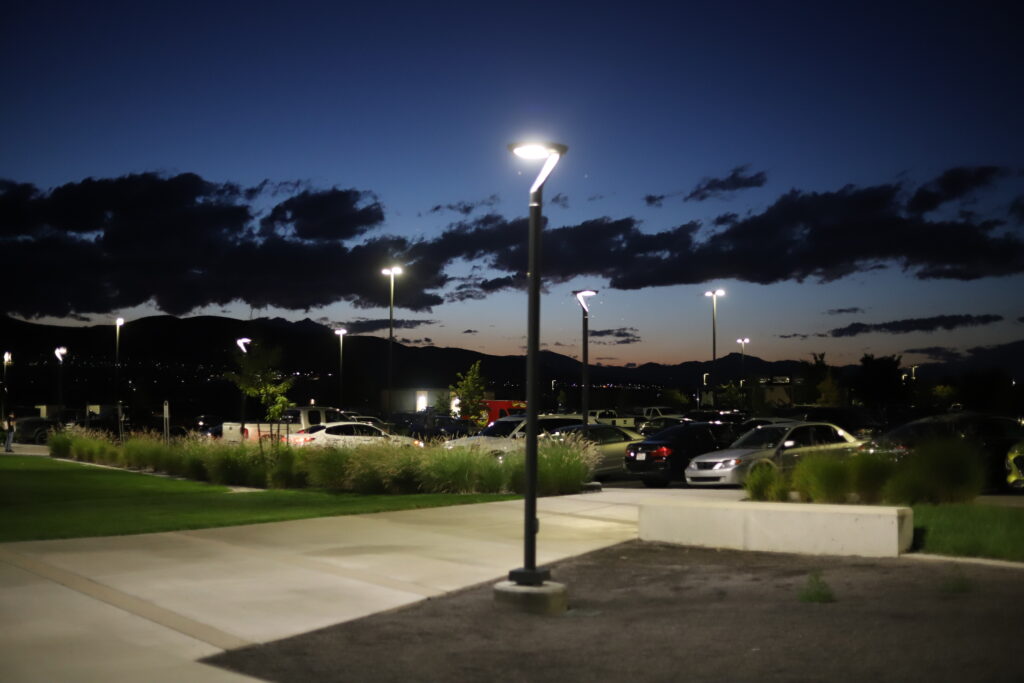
(655, 612)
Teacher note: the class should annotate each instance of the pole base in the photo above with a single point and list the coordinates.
(529, 577)
(548, 599)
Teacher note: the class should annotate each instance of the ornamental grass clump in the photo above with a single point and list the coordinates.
(383, 469)
(326, 468)
(563, 465)
(759, 482)
(868, 474)
(938, 471)
(822, 478)
(236, 465)
(461, 470)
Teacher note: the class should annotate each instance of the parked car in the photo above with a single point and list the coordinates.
(753, 422)
(35, 429)
(731, 416)
(655, 411)
(662, 458)
(608, 440)
(429, 425)
(993, 435)
(859, 422)
(778, 445)
(1015, 467)
(661, 423)
(504, 434)
(346, 434)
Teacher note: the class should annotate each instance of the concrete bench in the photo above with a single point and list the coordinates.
(811, 529)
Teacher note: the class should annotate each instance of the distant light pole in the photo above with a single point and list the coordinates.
(714, 331)
(242, 343)
(341, 332)
(118, 324)
(8, 359)
(60, 352)
(529, 574)
(581, 296)
(743, 352)
(391, 273)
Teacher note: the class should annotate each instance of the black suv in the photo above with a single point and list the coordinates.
(662, 458)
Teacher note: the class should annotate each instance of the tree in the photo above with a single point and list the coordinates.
(258, 377)
(470, 392)
(880, 382)
(443, 403)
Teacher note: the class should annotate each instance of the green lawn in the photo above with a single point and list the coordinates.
(971, 530)
(41, 498)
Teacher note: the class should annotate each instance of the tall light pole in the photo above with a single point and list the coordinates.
(581, 296)
(391, 273)
(118, 324)
(529, 574)
(242, 343)
(341, 332)
(714, 331)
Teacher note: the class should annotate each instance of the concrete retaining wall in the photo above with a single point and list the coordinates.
(862, 530)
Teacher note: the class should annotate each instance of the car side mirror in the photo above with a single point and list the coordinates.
(788, 444)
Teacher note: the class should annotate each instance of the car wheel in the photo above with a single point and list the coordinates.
(655, 483)
(40, 438)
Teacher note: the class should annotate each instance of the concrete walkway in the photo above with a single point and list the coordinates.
(147, 607)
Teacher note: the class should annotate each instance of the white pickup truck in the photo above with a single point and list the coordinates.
(293, 420)
(611, 417)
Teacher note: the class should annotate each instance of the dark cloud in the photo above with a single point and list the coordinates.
(471, 332)
(466, 208)
(938, 322)
(365, 325)
(844, 311)
(939, 354)
(325, 216)
(560, 200)
(182, 242)
(738, 179)
(621, 335)
(654, 199)
(1017, 210)
(955, 183)
(798, 335)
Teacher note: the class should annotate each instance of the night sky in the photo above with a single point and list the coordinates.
(852, 177)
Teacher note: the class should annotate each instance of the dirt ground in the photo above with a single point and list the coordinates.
(654, 612)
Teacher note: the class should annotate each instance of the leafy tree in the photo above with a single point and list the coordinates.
(676, 398)
(443, 403)
(258, 377)
(470, 392)
(880, 380)
(828, 391)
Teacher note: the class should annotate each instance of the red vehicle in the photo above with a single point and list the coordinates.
(503, 408)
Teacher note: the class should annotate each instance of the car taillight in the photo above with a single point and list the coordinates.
(661, 452)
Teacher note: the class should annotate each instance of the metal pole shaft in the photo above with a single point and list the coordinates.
(391, 342)
(585, 396)
(529, 575)
(341, 368)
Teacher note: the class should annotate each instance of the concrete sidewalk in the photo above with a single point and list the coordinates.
(146, 607)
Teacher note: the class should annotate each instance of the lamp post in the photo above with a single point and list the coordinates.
(529, 574)
(743, 352)
(8, 359)
(391, 273)
(118, 324)
(581, 296)
(714, 332)
(242, 343)
(60, 352)
(341, 332)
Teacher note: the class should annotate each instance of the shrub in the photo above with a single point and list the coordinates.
(461, 470)
(938, 471)
(326, 468)
(60, 445)
(759, 481)
(868, 474)
(367, 471)
(236, 465)
(822, 477)
(563, 466)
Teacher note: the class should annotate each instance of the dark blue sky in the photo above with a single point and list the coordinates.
(852, 177)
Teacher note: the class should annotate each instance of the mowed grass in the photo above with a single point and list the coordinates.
(971, 530)
(42, 498)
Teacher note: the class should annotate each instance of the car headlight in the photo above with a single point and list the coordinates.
(728, 464)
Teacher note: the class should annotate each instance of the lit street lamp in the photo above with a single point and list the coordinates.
(8, 359)
(581, 296)
(341, 332)
(391, 273)
(242, 344)
(529, 574)
(714, 328)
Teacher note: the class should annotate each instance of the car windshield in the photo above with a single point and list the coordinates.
(500, 428)
(762, 437)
